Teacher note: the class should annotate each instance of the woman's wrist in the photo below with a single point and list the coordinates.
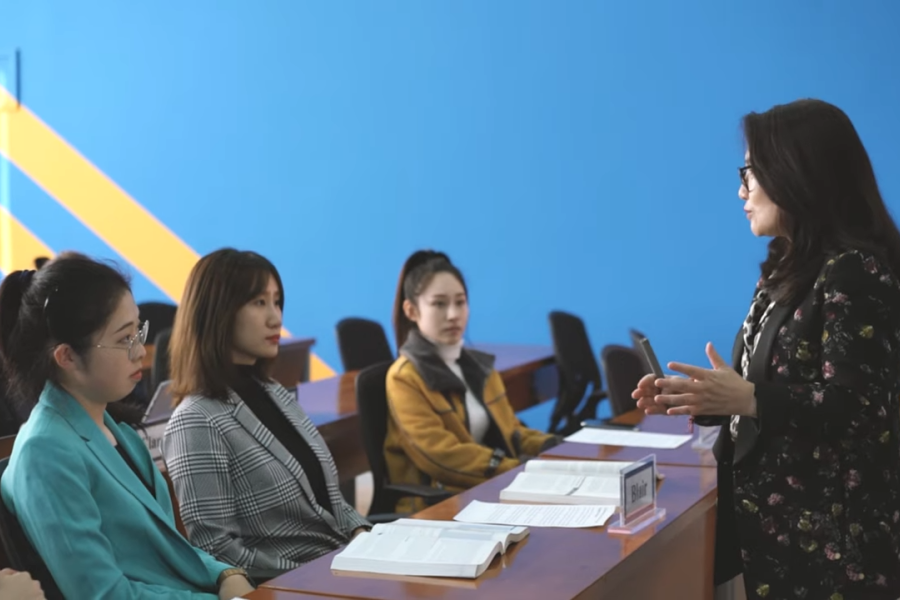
(751, 401)
(230, 573)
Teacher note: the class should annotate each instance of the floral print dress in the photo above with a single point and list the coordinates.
(809, 490)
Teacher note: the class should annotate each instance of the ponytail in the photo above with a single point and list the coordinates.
(416, 274)
(12, 294)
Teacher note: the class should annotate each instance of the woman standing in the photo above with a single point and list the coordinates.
(809, 450)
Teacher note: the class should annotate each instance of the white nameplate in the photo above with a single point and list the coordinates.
(638, 497)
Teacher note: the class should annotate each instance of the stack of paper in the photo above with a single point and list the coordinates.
(639, 439)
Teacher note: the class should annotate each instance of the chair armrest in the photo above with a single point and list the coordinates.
(419, 491)
(386, 517)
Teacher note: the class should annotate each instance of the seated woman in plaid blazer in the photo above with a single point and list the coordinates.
(256, 484)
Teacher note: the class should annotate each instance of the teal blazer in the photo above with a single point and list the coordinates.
(101, 532)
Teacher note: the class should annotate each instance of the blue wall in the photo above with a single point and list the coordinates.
(576, 155)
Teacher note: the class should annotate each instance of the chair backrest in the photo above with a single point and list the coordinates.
(160, 314)
(6, 448)
(292, 363)
(372, 407)
(159, 370)
(636, 337)
(6, 445)
(19, 551)
(12, 413)
(179, 524)
(576, 364)
(362, 343)
(623, 367)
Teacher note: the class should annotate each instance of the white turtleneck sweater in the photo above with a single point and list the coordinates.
(478, 416)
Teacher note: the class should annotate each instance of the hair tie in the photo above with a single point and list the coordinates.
(25, 276)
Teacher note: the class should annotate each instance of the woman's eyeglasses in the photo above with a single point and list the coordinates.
(131, 344)
(742, 171)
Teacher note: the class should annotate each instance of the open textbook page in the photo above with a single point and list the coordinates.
(504, 534)
(402, 552)
(560, 488)
(579, 467)
(535, 515)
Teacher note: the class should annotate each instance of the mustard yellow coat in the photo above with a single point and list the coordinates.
(428, 440)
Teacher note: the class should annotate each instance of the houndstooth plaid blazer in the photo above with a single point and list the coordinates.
(243, 497)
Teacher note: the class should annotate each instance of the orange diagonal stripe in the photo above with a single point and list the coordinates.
(18, 246)
(102, 206)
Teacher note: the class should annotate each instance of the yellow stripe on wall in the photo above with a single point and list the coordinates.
(19, 246)
(103, 207)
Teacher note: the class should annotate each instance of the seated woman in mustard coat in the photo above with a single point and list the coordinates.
(450, 423)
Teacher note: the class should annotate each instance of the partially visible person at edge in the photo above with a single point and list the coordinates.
(82, 485)
(809, 446)
(16, 585)
(450, 424)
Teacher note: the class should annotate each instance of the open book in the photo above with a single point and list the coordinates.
(566, 482)
(427, 548)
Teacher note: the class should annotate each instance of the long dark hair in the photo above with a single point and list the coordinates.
(810, 161)
(68, 301)
(418, 271)
(203, 335)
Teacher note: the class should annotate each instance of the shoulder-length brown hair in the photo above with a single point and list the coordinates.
(203, 334)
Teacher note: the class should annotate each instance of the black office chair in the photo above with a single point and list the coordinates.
(362, 343)
(19, 551)
(159, 370)
(372, 406)
(12, 413)
(636, 337)
(623, 367)
(160, 314)
(580, 385)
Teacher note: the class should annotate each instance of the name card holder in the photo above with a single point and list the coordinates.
(637, 498)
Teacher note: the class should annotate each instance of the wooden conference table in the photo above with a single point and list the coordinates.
(684, 455)
(673, 558)
(267, 594)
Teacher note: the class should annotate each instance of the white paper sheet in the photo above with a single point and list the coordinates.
(638, 439)
(535, 515)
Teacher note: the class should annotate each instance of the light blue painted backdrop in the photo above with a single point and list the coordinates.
(574, 155)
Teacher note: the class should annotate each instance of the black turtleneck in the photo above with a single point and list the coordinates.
(263, 406)
(124, 454)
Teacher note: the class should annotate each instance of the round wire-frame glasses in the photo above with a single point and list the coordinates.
(130, 346)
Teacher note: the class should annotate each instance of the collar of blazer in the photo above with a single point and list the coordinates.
(476, 366)
(61, 402)
(757, 372)
(291, 411)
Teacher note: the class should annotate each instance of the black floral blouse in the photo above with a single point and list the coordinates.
(814, 506)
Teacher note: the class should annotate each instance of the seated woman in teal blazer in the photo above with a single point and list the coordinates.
(82, 486)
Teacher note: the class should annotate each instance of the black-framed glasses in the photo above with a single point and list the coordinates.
(130, 345)
(742, 171)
